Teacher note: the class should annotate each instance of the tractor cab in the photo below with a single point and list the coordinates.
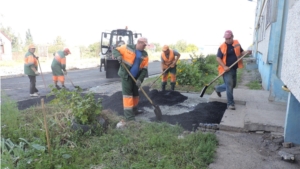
(111, 40)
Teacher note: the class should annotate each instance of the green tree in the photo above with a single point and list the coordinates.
(191, 48)
(58, 44)
(94, 49)
(181, 45)
(173, 46)
(158, 47)
(28, 39)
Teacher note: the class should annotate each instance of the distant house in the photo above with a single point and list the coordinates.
(276, 49)
(5, 47)
(151, 47)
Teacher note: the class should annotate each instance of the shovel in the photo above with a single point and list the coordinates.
(159, 76)
(206, 86)
(42, 73)
(77, 87)
(157, 110)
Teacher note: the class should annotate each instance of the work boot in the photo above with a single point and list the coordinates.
(57, 87)
(163, 87)
(34, 95)
(137, 112)
(64, 87)
(231, 107)
(218, 93)
(173, 87)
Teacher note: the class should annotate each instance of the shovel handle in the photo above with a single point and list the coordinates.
(229, 68)
(135, 82)
(159, 76)
(42, 73)
(70, 81)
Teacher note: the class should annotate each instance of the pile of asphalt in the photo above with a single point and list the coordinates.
(211, 112)
(167, 98)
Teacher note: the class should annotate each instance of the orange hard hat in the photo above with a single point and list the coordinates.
(67, 50)
(31, 46)
(165, 48)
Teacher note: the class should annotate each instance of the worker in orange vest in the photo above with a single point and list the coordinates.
(31, 69)
(58, 67)
(228, 53)
(136, 60)
(169, 59)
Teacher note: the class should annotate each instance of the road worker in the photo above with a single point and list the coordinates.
(169, 59)
(228, 53)
(31, 69)
(58, 67)
(136, 60)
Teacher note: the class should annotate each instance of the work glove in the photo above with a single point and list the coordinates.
(37, 73)
(138, 83)
(65, 72)
(119, 59)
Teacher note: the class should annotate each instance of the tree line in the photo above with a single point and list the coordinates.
(91, 50)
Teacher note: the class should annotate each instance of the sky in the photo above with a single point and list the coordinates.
(80, 22)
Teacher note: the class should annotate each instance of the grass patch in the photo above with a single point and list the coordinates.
(239, 74)
(140, 145)
(254, 85)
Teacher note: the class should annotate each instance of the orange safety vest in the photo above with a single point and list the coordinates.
(128, 56)
(237, 49)
(168, 61)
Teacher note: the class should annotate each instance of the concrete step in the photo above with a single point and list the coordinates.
(264, 120)
(253, 112)
(233, 120)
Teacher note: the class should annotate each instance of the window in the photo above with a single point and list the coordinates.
(271, 14)
(261, 33)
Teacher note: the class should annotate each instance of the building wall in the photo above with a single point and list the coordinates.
(269, 35)
(6, 44)
(263, 45)
(275, 53)
(292, 125)
(290, 71)
(264, 70)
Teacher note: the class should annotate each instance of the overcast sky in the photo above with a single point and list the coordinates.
(80, 22)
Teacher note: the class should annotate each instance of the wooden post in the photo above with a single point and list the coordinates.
(46, 127)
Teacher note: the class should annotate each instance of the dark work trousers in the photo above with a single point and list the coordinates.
(102, 62)
(32, 88)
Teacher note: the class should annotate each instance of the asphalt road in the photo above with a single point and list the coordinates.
(17, 88)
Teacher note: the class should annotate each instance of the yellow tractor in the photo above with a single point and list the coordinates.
(109, 41)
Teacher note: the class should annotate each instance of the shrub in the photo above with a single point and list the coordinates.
(84, 107)
(197, 72)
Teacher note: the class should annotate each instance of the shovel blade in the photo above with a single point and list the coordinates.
(203, 91)
(157, 112)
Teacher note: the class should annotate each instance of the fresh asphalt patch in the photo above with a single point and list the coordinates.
(189, 117)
